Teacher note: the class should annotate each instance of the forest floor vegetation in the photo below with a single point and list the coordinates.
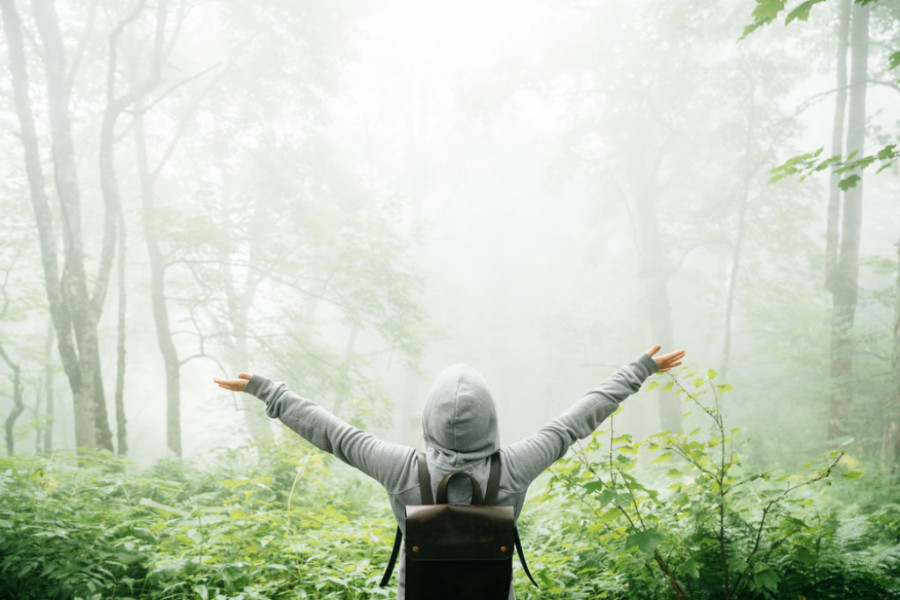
(671, 516)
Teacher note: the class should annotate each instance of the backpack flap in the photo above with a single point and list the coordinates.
(460, 532)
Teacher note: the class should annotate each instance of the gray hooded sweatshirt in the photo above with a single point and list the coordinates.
(460, 426)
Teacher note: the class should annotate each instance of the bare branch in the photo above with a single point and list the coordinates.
(175, 86)
(888, 84)
(183, 124)
(695, 400)
(82, 45)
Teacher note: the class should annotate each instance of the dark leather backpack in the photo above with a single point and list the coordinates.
(458, 551)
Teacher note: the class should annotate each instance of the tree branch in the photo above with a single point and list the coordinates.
(82, 45)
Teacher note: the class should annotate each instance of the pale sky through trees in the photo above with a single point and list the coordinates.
(357, 195)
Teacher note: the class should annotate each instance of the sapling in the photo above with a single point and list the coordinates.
(714, 525)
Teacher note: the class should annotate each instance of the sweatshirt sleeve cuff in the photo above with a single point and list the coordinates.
(648, 363)
(255, 385)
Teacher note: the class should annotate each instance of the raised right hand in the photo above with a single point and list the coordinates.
(666, 361)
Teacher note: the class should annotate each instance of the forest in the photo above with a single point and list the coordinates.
(349, 196)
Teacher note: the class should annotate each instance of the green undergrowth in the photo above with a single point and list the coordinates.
(673, 516)
(235, 527)
(679, 515)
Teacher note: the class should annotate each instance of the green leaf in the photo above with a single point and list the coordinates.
(795, 522)
(162, 507)
(665, 456)
(711, 374)
(646, 541)
(849, 182)
(852, 475)
(767, 9)
(593, 486)
(766, 578)
(894, 60)
(652, 385)
(689, 568)
(736, 564)
(609, 515)
(805, 556)
(334, 579)
(752, 27)
(801, 12)
(889, 152)
(624, 499)
(605, 497)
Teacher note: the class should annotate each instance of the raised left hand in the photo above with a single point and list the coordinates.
(234, 385)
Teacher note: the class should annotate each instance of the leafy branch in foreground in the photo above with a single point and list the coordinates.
(709, 526)
(811, 163)
(768, 11)
(804, 165)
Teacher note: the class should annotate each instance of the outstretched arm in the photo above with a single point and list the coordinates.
(385, 462)
(527, 459)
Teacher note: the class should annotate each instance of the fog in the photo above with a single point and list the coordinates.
(349, 197)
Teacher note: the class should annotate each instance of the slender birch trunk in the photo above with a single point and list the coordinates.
(846, 275)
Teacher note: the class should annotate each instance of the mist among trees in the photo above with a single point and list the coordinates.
(349, 196)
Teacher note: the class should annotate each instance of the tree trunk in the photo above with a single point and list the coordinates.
(114, 222)
(49, 396)
(732, 279)
(846, 275)
(744, 205)
(256, 419)
(837, 144)
(66, 293)
(644, 155)
(85, 311)
(239, 298)
(121, 433)
(18, 405)
(890, 448)
(158, 291)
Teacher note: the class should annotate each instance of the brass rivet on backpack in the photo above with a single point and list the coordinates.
(502, 548)
(415, 548)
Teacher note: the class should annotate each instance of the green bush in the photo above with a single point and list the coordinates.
(282, 528)
(709, 528)
(672, 516)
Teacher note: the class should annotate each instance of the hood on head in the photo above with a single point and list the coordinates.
(459, 415)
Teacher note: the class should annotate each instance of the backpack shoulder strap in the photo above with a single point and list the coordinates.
(398, 537)
(427, 498)
(522, 559)
(493, 486)
(424, 479)
(490, 498)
